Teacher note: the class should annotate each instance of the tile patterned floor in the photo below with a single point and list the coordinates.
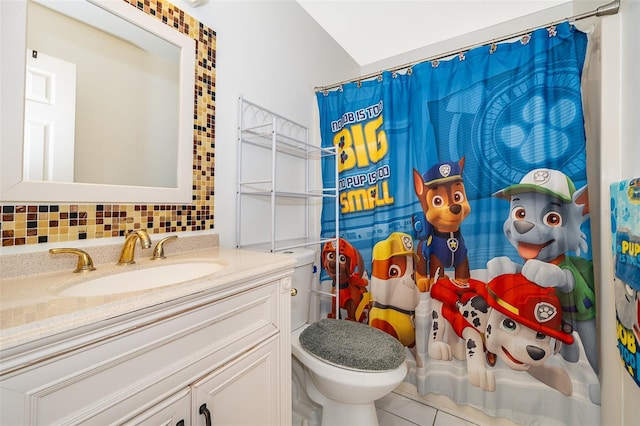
(398, 410)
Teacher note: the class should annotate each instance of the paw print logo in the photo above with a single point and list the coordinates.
(343, 155)
(541, 177)
(545, 312)
(444, 170)
(531, 120)
(540, 128)
(407, 242)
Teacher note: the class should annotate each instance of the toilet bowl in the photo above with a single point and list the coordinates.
(346, 393)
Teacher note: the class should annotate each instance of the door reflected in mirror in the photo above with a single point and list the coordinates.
(101, 101)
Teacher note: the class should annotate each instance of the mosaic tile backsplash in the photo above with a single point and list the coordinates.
(34, 223)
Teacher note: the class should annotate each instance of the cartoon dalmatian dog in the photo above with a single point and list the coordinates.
(521, 323)
(450, 332)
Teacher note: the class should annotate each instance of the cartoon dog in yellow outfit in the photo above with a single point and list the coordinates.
(393, 289)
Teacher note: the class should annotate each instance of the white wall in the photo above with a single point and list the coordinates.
(629, 72)
(620, 155)
(274, 54)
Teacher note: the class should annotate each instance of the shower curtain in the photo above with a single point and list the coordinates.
(464, 224)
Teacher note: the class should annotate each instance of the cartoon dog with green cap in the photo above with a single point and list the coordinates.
(543, 225)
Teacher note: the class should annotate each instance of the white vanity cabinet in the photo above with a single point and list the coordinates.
(225, 350)
(175, 410)
(242, 392)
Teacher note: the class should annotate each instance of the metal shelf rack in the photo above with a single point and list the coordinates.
(277, 138)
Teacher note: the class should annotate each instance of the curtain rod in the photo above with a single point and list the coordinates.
(604, 10)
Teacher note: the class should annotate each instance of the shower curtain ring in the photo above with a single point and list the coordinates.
(493, 48)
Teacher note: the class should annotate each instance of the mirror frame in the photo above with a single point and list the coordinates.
(12, 84)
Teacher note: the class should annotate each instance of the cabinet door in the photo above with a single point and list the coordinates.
(173, 411)
(245, 391)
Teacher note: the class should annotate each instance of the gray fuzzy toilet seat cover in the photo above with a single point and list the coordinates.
(353, 345)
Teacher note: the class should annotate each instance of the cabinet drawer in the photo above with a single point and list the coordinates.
(127, 374)
(173, 411)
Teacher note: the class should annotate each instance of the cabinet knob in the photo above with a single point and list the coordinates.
(206, 413)
(294, 291)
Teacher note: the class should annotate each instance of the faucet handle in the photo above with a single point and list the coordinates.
(85, 263)
(158, 250)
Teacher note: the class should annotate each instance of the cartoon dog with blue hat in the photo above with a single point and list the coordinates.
(444, 203)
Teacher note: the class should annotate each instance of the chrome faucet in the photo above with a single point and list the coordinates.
(85, 263)
(129, 247)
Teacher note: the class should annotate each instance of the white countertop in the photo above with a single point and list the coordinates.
(31, 309)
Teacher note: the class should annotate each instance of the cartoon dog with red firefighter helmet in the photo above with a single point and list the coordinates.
(350, 268)
(393, 289)
(442, 195)
(521, 323)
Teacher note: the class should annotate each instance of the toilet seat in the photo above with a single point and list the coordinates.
(346, 396)
(351, 345)
(322, 390)
(343, 377)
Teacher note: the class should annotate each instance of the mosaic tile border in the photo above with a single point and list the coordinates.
(33, 224)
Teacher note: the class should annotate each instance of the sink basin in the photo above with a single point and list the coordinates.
(142, 279)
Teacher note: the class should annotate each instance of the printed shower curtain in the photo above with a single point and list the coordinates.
(464, 224)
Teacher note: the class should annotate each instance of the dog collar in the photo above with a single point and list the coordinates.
(441, 234)
(395, 308)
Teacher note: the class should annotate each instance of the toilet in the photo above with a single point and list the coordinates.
(324, 390)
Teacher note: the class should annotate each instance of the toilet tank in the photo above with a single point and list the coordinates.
(301, 281)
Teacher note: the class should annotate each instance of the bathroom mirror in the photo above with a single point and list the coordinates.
(127, 81)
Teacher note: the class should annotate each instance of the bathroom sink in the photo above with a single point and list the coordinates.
(142, 279)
